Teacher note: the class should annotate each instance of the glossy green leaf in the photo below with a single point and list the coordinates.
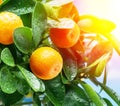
(39, 22)
(7, 57)
(70, 63)
(92, 94)
(8, 81)
(55, 90)
(35, 84)
(52, 97)
(111, 93)
(75, 97)
(70, 70)
(23, 87)
(23, 39)
(9, 99)
(19, 6)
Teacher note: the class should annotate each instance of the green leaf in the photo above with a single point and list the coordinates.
(23, 87)
(23, 39)
(8, 81)
(19, 6)
(35, 84)
(52, 98)
(49, 104)
(92, 94)
(9, 99)
(26, 19)
(36, 99)
(7, 57)
(39, 22)
(107, 102)
(55, 90)
(111, 93)
(75, 97)
(101, 65)
(70, 69)
(70, 63)
(64, 80)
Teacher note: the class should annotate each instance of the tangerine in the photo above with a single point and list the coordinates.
(65, 34)
(46, 63)
(8, 23)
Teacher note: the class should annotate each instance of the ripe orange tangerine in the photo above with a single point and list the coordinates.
(46, 63)
(8, 23)
(65, 34)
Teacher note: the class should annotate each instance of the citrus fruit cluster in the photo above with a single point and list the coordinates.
(47, 48)
(67, 30)
(77, 37)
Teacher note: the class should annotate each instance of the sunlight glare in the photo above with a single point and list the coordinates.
(107, 9)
